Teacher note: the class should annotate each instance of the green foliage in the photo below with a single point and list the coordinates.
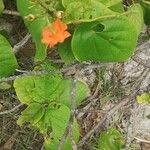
(8, 62)
(48, 88)
(118, 7)
(48, 98)
(82, 91)
(110, 40)
(137, 17)
(1, 6)
(80, 11)
(59, 121)
(143, 98)
(109, 3)
(32, 13)
(111, 139)
(65, 51)
(65, 3)
(33, 114)
(146, 7)
(104, 32)
(51, 120)
(45, 88)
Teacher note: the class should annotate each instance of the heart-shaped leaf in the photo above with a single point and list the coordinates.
(110, 40)
(8, 62)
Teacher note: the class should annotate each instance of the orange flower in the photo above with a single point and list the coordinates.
(54, 34)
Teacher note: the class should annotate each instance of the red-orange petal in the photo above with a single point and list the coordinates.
(52, 38)
(59, 26)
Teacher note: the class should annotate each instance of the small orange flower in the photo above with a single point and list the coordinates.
(54, 34)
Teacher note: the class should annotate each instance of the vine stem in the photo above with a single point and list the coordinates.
(69, 128)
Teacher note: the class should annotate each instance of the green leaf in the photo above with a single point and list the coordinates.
(146, 7)
(110, 3)
(136, 17)
(1, 6)
(118, 7)
(35, 21)
(43, 88)
(65, 51)
(65, 3)
(114, 5)
(33, 113)
(143, 98)
(8, 62)
(112, 40)
(85, 11)
(39, 88)
(111, 139)
(52, 121)
(82, 91)
(59, 120)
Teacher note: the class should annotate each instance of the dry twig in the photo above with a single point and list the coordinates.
(63, 70)
(11, 12)
(19, 45)
(11, 110)
(142, 140)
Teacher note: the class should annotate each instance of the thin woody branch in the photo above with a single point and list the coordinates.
(11, 110)
(69, 128)
(23, 42)
(11, 12)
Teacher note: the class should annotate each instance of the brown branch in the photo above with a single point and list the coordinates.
(63, 70)
(73, 110)
(74, 146)
(92, 99)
